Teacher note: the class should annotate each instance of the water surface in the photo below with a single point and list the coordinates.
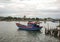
(10, 33)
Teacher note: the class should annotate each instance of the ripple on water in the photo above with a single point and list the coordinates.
(9, 33)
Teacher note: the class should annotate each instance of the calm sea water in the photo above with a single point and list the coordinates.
(10, 33)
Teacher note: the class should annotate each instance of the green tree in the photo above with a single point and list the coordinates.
(37, 19)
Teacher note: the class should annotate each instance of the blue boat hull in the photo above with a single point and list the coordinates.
(22, 27)
(29, 28)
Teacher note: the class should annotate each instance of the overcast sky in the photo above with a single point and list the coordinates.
(30, 8)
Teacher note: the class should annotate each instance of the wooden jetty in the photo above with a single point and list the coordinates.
(53, 32)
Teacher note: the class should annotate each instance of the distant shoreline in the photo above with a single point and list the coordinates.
(9, 18)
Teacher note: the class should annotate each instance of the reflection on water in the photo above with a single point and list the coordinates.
(10, 33)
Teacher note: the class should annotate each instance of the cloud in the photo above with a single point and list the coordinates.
(30, 8)
(39, 4)
(4, 1)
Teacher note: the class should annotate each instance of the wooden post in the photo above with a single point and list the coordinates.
(58, 34)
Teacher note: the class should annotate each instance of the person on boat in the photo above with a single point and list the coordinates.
(36, 24)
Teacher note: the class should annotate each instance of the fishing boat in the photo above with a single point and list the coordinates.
(30, 26)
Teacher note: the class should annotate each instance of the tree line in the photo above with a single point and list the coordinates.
(10, 18)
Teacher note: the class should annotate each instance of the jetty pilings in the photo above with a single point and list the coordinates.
(53, 32)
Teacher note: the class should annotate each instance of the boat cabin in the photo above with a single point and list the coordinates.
(33, 24)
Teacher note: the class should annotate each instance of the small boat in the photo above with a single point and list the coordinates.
(30, 26)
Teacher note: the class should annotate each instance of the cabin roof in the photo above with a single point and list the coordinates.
(32, 23)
